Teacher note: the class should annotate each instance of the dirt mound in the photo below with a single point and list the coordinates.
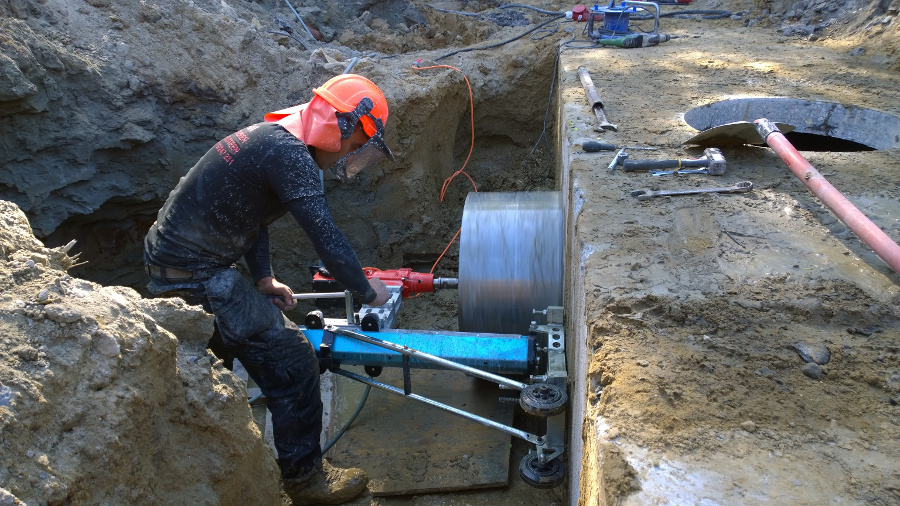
(109, 398)
(866, 27)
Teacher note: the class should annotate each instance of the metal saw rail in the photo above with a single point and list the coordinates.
(531, 438)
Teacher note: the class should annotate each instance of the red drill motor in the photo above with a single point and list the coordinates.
(412, 282)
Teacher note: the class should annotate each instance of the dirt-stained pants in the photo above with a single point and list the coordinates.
(275, 353)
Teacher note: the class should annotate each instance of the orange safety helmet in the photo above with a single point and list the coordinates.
(345, 91)
(332, 114)
(315, 122)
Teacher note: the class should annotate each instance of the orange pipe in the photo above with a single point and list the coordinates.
(868, 232)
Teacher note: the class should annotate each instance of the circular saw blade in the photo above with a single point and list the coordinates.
(510, 260)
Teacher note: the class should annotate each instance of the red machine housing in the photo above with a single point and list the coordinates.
(410, 281)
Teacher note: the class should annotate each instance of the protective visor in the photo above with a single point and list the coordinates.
(368, 155)
(371, 152)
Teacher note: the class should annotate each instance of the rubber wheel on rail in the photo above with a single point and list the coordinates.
(314, 320)
(543, 399)
(547, 475)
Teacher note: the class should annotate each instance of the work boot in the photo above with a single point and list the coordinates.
(326, 485)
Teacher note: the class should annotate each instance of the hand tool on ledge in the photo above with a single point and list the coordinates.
(712, 162)
(743, 186)
(620, 157)
(595, 146)
(634, 40)
(593, 97)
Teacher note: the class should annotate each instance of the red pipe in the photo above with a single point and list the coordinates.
(868, 232)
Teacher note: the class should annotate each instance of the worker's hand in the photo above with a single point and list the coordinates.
(381, 291)
(284, 297)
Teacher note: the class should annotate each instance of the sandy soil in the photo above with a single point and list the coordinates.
(703, 311)
(687, 313)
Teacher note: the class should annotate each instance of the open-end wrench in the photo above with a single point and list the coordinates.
(743, 186)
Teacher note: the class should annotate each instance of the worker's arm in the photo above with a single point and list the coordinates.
(260, 264)
(335, 251)
(258, 260)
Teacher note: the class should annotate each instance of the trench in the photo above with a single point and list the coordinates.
(506, 157)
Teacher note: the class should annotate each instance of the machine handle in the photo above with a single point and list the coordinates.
(633, 165)
(594, 146)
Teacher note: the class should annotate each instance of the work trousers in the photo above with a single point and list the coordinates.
(275, 353)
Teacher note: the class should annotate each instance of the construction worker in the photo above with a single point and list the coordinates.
(219, 213)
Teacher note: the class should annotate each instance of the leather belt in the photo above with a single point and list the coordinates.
(168, 272)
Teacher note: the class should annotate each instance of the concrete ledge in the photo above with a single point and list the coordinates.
(685, 312)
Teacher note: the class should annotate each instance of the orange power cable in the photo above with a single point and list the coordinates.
(462, 169)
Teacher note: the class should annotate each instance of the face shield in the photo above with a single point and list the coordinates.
(370, 153)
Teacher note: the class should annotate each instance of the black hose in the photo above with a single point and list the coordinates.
(287, 35)
(500, 43)
(546, 116)
(346, 426)
(473, 14)
(542, 11)
(710, 14)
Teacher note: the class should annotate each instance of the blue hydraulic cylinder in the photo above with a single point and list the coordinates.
(494, 353)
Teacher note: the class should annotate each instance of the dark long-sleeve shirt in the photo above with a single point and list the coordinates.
(220, 211)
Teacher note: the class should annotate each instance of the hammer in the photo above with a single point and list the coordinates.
(712, 160)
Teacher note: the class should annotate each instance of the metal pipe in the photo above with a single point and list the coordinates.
(300, 19)
(348, 305)
(645, 5)
(856, 221)
(465, 414)
(449, 364)
(322, 295)
(351, 65)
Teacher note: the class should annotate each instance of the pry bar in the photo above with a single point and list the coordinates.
(593, 97)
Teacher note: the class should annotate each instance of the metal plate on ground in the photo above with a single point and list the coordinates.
(872, 128)
(730, 134)
(408, 447)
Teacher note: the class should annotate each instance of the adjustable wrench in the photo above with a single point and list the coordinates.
(743, 186)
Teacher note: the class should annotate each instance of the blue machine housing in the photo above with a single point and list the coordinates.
(494, 353)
